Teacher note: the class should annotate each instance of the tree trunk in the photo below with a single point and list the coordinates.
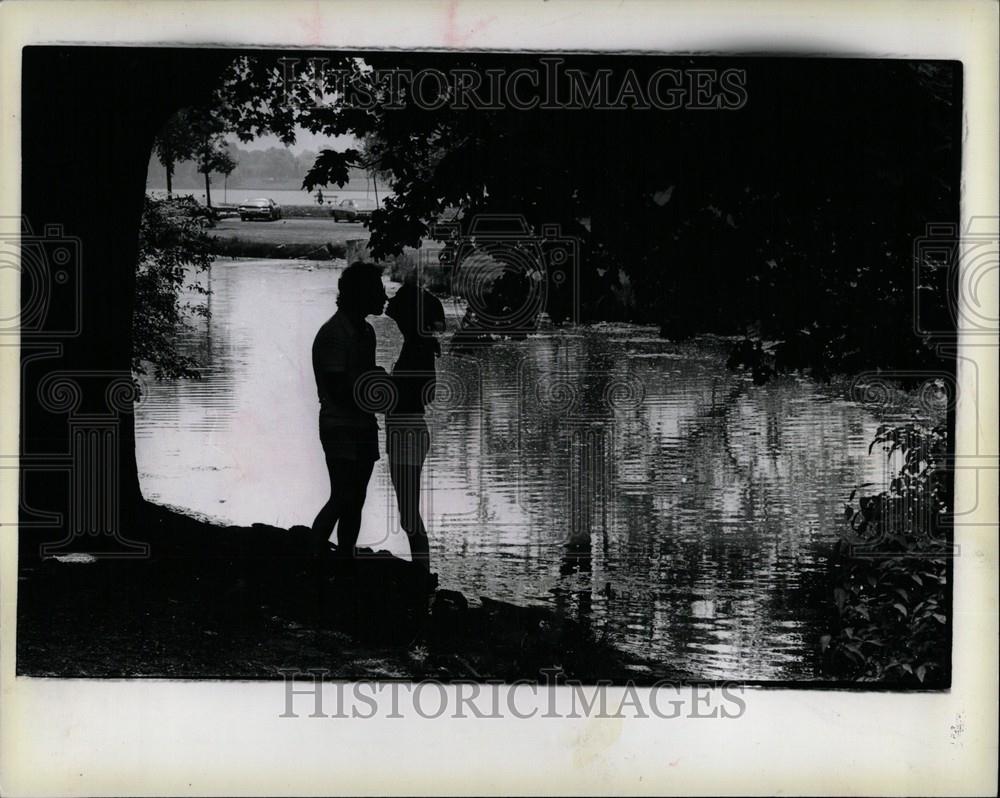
(170, 175)
(208, 190)
(76, 350)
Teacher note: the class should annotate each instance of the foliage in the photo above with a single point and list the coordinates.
(331, 167)
(210, 151)
(173, 144)
(795, 214)
(434, 277)
(891, 571)
(196, 134)
(274, 167)
(173, 247)
(214, 157)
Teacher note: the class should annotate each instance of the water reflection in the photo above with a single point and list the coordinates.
(681, 511)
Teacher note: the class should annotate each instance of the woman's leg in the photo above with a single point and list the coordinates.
(407, 449)
(406, 481)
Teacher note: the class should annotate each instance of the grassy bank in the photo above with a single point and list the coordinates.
(237, 247)
(323, 239)
(317, 239)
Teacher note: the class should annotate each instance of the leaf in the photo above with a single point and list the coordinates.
(824, 642)
(921, 672)
(854, 650)
(901, 608)
(940, 618)
(331, 167)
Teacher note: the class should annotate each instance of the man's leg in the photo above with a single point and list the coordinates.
(351, 478)
(326, 519)
(322, 528)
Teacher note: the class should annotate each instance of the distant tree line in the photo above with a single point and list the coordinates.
(275, 167)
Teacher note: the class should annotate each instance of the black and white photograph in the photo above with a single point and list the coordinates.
(591, 370)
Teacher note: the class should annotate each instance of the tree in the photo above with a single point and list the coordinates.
(210, 151)
(174, 144)
(173, 248)
(795, 214)
(196, 134)
(173, 243)
(213, 158)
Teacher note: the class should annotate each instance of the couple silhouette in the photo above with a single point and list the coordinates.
(343, 356)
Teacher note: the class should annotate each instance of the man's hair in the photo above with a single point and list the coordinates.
(355, 281)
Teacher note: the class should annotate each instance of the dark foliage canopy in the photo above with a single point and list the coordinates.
(794, 215)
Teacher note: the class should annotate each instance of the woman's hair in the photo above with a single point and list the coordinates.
(417, 313)
(355, 282)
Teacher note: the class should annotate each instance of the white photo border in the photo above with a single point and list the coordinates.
(160, 737)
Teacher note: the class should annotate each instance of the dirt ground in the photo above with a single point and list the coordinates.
(248, 603)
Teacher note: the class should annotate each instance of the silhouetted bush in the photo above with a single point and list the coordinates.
(891, 575)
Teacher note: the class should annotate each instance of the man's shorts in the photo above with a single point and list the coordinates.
(348, 443)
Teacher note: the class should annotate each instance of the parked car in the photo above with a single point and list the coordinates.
(353, 210)
(262, 208)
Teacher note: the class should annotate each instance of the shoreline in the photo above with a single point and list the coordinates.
(285, 239)
(247, 602)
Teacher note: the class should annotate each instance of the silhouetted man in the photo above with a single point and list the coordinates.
(343, 350)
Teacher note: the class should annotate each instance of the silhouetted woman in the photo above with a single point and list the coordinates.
(419, 315)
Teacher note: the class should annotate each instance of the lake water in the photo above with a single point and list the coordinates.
(682, 512)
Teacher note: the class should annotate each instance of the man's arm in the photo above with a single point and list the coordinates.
(337, 378)
(340, 386)
(331, 358)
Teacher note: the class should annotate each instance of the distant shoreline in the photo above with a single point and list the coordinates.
(352, 187)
